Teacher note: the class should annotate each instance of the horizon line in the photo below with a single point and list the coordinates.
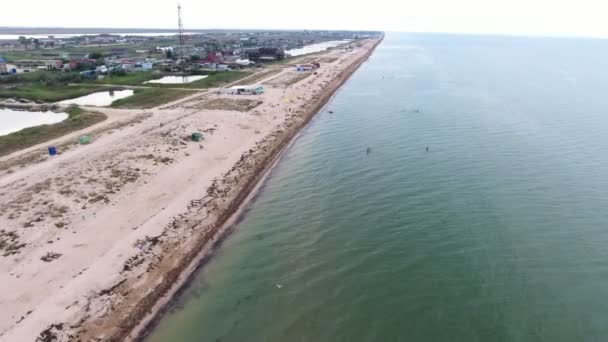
(167, 30)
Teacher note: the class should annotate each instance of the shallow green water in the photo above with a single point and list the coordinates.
(498, 233)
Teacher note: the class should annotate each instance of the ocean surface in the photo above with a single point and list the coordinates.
(499, 232)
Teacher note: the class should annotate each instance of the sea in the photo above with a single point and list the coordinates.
(497, 232)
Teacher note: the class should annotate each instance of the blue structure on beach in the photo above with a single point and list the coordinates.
(3, 67)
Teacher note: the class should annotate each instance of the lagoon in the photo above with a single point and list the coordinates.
(12, 120)
(100, 99)
(177, 79)
(315, 47)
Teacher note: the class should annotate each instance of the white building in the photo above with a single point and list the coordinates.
(3, 66)
(246, 90)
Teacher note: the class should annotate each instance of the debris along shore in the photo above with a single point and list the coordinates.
(125, 218)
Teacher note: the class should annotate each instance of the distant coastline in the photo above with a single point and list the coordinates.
(105, 30)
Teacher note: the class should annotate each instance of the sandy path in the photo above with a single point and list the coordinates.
(91, 236)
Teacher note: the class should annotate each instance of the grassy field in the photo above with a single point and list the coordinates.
(138, 78)
(219, 79)
(77, 119)
(53, 93)
(12, 56)
(42, 77)
(151, 97)
(132, 78)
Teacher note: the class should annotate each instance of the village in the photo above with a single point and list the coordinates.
(103, 53)
(155, 68)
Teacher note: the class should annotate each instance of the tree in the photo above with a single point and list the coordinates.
(118, 72)
(24, 41)
(95, 55)
(85, 66)
(169, 54)
(195, 58)
(37, 43)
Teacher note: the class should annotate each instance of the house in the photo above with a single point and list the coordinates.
(3, 66)
(208, 66)
(127, 66)
(75, 64)
(89, 74)
(102, 70)
(246, 90)
(55, 64)
(145, 66)
(229, 59)
(243, 62)
(214, 57)
(222, 67)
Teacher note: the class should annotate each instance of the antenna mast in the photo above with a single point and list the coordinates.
(182, 37)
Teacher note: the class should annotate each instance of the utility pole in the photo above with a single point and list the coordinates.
(182, 38)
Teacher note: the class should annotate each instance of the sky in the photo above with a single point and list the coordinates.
(513, 17)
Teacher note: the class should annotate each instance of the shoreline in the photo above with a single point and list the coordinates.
(102, 237)
(149, 322)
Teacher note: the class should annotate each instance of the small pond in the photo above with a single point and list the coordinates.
(315, 47)
(100, 99)
(177, 79)
(12, 120)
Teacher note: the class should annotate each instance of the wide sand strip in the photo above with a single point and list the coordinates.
(94, 241)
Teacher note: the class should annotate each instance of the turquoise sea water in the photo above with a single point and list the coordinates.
(498, 233)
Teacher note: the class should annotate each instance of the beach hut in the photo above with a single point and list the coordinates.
(247, 90)
(305, 67)
(3, 67)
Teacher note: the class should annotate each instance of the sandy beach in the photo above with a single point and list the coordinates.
(94, 241)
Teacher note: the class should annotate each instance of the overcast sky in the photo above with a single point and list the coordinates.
(520, 17)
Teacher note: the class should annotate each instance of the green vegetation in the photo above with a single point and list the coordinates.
(12, 56)
(151, 97)
(46, 86)
(74, 112)
(217, 79)
(78, 119)
(42, 93)
(96, 55)
(131, 78)
(43, 77)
